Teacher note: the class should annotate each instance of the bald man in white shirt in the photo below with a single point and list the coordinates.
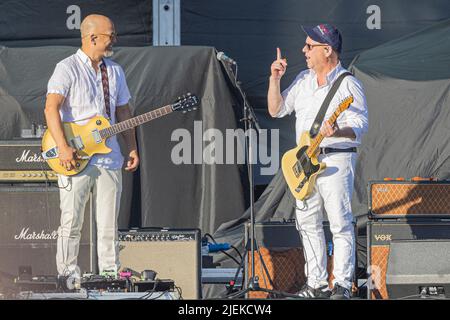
(75, 93)
(334, 187)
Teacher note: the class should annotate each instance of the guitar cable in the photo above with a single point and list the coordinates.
(47, 202)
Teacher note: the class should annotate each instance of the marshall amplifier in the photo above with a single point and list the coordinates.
(381, 233)
(396, 199)
(21, 161)
(172, 253)
(29, 220)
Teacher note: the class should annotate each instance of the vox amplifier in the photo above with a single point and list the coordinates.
(396, 199)
(282, 252)
(381, 233)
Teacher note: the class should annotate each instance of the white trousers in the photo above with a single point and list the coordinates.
(333, 193)
(106, 186)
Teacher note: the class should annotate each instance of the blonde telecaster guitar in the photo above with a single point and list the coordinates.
(90, 139)
(300, 165)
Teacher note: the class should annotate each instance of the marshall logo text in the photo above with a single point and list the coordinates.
(26, 235)
(26, 157)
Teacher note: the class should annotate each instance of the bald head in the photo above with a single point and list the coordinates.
(97, 36)
(95, 23)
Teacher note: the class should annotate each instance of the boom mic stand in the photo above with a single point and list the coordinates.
(250, 120)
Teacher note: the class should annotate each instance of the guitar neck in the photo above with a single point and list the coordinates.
(134, 122)
(315, 143)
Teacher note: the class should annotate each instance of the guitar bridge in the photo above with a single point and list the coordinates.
(300, 186)
(297, 170)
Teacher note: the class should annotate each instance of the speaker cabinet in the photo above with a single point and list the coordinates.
(380, 234)
(282, 252)
(418, 269)
(397, 199)
(174, 254)
(29, 220)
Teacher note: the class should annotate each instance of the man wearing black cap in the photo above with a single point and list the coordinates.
(334, 187)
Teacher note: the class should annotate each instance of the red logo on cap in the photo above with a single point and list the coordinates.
(323, 29)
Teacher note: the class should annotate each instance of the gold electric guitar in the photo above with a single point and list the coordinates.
(90, 139)
(300, 165)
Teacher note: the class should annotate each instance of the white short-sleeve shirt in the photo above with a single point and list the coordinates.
(76, 80)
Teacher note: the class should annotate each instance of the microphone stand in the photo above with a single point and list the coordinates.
(250, 120)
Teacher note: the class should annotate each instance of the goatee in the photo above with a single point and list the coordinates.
(109, 53)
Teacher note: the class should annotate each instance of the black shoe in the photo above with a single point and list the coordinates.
(340, 293)
(308, 292)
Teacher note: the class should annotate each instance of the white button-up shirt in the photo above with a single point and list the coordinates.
(305, 97)
(76, 80)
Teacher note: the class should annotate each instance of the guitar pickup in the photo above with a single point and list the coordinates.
(77, 143)
(96, 136)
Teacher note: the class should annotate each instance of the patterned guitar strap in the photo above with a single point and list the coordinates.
(105, 84)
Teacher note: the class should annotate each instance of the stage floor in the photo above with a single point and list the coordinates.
(97, 295)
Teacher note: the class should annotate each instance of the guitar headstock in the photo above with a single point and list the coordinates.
(185, 103)
(345, 103)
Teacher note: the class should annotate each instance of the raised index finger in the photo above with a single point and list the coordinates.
(278, 54)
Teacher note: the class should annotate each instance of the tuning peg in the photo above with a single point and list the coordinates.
(184, 111)
(194, 108)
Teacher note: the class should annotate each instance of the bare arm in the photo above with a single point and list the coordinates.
(124, 113)
(277, 70)
(274, 98)
(65, 152)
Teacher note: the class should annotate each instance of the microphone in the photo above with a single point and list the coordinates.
(224, 58)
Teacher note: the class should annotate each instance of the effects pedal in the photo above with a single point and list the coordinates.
(104, 283)
(158, 285)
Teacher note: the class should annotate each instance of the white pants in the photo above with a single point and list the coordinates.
(332, 193)
(106, 186)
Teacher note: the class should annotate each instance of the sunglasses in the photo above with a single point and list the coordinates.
(311, 46)
(111, 36)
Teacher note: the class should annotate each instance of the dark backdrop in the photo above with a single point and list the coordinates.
(187, 195)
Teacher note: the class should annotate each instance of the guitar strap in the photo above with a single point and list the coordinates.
(105, 84)
(323, 108)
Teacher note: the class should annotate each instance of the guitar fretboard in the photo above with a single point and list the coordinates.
(134, 122)
(319, 137)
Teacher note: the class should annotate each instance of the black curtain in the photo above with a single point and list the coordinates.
(200, 193)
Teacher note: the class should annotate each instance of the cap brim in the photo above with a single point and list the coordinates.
(312, 34)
